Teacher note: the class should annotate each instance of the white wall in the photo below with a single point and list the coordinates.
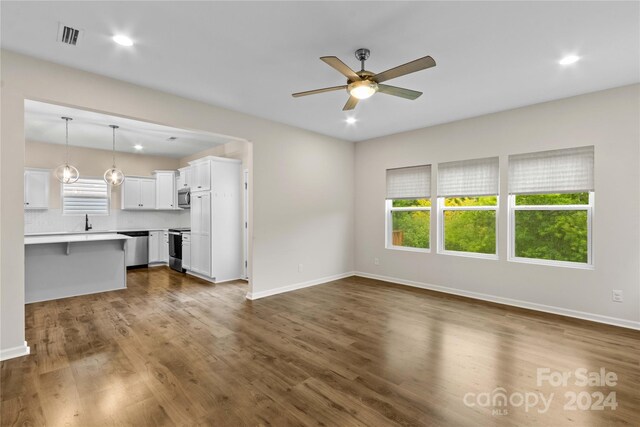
(609, 120)
(302, 182)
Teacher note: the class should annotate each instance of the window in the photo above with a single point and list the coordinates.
(85, 196)
(468, 207)
(408, 207)
(551, 207)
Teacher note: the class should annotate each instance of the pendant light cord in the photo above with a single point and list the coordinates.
(114, 147)
(66, 120)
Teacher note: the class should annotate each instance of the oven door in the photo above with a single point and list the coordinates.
(175, 245)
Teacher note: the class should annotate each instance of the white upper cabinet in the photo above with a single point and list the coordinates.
(36, 188)
(138, 193)
(165, 190)
(184, 178)
(201, 175)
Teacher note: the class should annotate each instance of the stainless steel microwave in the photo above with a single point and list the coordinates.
(184, 198)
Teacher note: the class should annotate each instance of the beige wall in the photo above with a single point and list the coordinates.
(609, 120)
(91, 163)
(295, 173)
(233, 150)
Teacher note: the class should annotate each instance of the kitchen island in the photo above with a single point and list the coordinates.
(61, 266)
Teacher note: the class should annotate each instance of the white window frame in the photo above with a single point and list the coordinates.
(109, 187)
(389, 225)
(440, 221)
(511, 241)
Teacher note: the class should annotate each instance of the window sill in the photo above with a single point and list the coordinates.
(408, 249)
(550, 263)
(493, 257)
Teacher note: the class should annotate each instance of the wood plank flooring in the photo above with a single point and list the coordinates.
(174, 350)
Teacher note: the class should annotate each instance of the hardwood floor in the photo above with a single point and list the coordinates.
(174, 350)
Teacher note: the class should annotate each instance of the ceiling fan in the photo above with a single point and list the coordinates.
(363, 84)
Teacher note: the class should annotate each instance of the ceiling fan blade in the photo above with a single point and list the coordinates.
(399, 91)
(401, 70)
(351, 103)
(341, 67)
(313, 92)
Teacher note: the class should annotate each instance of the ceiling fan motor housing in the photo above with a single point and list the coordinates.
(362, 54)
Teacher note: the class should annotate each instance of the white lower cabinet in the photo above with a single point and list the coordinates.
(164, 244)
(200, 233)
(158, 247)
(154, 246)
(186, 251)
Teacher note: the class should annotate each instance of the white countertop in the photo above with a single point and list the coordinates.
(70, 238)
(56, 233)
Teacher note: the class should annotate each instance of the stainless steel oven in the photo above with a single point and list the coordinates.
(184, 198)
(175, 248)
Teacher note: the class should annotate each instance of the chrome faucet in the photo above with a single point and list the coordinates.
(87, 226)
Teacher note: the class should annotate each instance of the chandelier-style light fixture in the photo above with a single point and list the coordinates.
(114, 176)
(66, 173)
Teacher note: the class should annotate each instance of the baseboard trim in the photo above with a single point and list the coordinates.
(12, 353)
(296, 286)
(615, 321)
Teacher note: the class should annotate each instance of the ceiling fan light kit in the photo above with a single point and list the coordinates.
(364, 84)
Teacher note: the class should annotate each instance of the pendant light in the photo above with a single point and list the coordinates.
(66, 173)
(114, 176)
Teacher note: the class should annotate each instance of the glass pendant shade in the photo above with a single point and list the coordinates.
(114, 176)
(67, 174)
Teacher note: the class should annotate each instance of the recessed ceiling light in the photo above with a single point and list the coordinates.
(350, 120)
(138, 147)
(569, 59)
(122, 40)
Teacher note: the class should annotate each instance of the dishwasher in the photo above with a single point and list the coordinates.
(137, 248)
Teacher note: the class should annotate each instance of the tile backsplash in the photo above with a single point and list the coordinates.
(52, 220)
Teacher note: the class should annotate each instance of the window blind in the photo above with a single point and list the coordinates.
(478, 177)
(85, 196)
(409, 183)
(556, 171)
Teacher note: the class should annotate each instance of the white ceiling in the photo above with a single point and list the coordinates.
(43, 123)
(250, 56)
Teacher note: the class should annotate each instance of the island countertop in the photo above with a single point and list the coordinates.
(72, 238)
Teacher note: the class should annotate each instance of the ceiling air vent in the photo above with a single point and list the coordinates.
(68, 35)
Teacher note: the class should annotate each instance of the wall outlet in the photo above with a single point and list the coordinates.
(616, 295)
(300, 268)
(376, 261)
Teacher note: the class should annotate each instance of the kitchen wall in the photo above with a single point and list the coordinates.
(609, 120)
(92, 163)
(233, 150)
(302, 183)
